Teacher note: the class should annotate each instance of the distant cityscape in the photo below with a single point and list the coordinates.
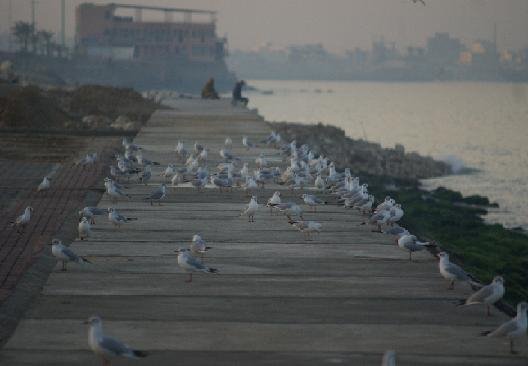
(443, 58)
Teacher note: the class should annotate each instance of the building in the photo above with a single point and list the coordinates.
(102, 32)
(443, 49)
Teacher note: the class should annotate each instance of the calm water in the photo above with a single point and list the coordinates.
(477, 125)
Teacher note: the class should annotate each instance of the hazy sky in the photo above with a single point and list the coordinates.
(337, 24)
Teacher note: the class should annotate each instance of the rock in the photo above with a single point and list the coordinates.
(96, 122)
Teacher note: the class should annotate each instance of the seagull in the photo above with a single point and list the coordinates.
(198, 148)
(451, 271)
(23, 220)
(181, 152)
(251, 209)
(44, 185)
(274, 201)
(65, 254)
(198, 245)
(169, 171)
(411, 243)
(114, 192)
(227, 155)
(261, 161)
(145, 175)
(192, 264)
(488, 294)
(117, 219)
(389, 358)
(90, 212)
(319, 183)
(514, 328)
(106, 347)
(290, 209)
(248, 144)
(313, 201)
(228, 142)
(85, 229)
(158, 194)
(307, 227)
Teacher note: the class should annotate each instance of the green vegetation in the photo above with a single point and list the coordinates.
(457, 225)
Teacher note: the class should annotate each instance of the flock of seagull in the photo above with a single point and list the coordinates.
(306, 171)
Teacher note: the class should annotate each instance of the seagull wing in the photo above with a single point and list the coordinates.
(505, 329)
(115, 347)
(481, 295)
(70, 254)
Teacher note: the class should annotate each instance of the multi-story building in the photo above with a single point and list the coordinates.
(100, 31)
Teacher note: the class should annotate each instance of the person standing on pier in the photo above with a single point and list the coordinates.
(237, 93)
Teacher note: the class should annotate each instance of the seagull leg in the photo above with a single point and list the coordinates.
(410, 256)
(489, 310)
(451, 285)
(189, 280)
(106, 362)
(63, 266)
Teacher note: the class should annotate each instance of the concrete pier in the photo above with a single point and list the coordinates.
(343, 298)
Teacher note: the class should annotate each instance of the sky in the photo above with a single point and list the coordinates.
(338, 24)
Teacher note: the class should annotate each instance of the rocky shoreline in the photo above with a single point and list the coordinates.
(363, 157)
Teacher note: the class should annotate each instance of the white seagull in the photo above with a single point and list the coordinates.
(411, 243)
(117, 219)
(198, 245)
(158, 195)
(44, 185)
(191, 264)
(451, 271)
(22, 220)
(65, 254)
(106, 347)
(251, 209)
(312, 201)
(514, 328)
(488, 294)
(84, 228)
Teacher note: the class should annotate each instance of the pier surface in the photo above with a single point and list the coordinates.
(342, 298)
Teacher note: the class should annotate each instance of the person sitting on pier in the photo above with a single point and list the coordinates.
(208, 91)
(237, 93)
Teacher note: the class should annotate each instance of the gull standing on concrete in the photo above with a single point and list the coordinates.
(251, 209)
(65, 254)
(274, 201)
(307, 227)
(158, 195)
(228, 143)
(145, 175)
(117, 219)
(198, 245)
(90, 212)
(514, 328)
(312, 201)
(191, 264)
(248, 144)
(319, 183)
(411, 243)
(488, 294)
(22, 220)
(291, 209)
(113, 191)
(84, 228)
(169, 171)
(108, 348)
(451, 271)
(44, 185)
(181, 152)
